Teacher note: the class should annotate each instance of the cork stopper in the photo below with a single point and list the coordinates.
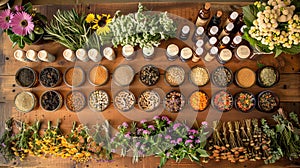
(219, 13)
(207, 6)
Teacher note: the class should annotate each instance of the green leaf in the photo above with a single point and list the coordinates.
(249, 14)
(279, 128)
(202, 152)
(28, 7)
(27, 40)
(194, 157)
(294, 50)
(31, 36)
(278, 52)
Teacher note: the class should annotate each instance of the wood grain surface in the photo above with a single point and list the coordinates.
(288, 88)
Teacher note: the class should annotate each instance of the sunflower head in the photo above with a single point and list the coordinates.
(90, 18)
(101, 24)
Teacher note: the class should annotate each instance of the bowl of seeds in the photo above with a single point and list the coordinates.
(174, 75)
(149, 75)
(199, 76)
(149, 100)
(267, 101)
(98, 100)
(26, 77)
(199, 100)
(51, 101)
(124, 100)
(75, 101)
(222, 76)
(222, 101)
(267, 76)
(174, 101)
(50, 77)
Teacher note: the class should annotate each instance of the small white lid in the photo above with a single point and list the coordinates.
(31, 54)
(237, 39)
(68, 53)
(81, 52)
(185, 29)
(214, 30)
(213, 40)
(234, 15)
(19, 53)
(108, 51)
(200, 30)
(214, 50)
(186, 53)
(93, 52)
(148, 51)
(42, 54)
(172, 50)
(199, 43)
(199, 51)
(225, 54)
(242, 28)
(243, 51)
(127, 50)
(230, 26)
(225, 39)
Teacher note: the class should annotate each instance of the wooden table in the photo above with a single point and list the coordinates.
(288, 88)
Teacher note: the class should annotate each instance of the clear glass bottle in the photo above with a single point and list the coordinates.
(224, 42)
(213, 52)
(94, 55)
(199, 32)
(172, 52)
(213, 41)
(203, 15)
(199, 43)
(185, 32)
(82, 55)
(185, 54)
(148, 53)
(128, 52)
(69, 55)
(236, 42)
(198, 54)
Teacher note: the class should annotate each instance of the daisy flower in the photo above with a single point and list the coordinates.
(5, 17)
(101, 24)
(22, 23)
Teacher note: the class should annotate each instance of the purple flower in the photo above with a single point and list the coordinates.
(175, 126)
(5, 17)
(139, 131)
(143, 121)
(197, 141)
(168, 154)
(193, 131)
(168, 137)
(151, 127)
(125, 124)
(22, 23)
(191, 145)
(204, 124)
(173, 142)
(138, 144)
(179, 140)
(188, 141)
(191, 137)
(165, 118)
(156, 118)
(140, 152)
(146, 132)
(142, 146)
(19, 8)
(169, 122)
(3, 145)
(127, 135)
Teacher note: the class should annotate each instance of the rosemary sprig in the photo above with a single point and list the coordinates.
(6, 141)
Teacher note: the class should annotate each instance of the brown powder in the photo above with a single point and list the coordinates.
(98, 75)
(245, 77)
(74, 76)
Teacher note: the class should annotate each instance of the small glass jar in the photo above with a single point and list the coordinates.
(198, 54)
(172, 52)
(224, 42)
(185, 32)
(236, 42)
(198, 33)
(128, 52)
(109, 53)
(74, 76)
(82, 55)
(185, 54)
(199, 43)
(213, 41)
(213, 52)
(69, 55)
(242, 52)
(148, 53)
(32, 56)
(245, 77)
(20, 55)
(50, 77)
(213, 31)
(94, 55)
(43, 55)
(224, 56)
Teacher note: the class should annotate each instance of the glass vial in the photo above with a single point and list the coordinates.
(213, 52)
(43, 55)
(109, 53)
(82, 55)
(69, 55)
(32, 56)
(198, 54)
(185, 54)
(128, 52)
(94, 55)
(185, 32)
(172, 52)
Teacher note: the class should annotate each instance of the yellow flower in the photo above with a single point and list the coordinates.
(90, 17)
(101, 24)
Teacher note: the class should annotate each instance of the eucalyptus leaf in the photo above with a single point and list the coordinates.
(31, 36)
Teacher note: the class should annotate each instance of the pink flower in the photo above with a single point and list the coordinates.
(156, 118)
(22, 23)
(125, 124)
(165, 118)
(175, 126)
(191, 137)
(193, 131)
(5, 17)
(146, 132)
(19, 8)
(188, 141)
(143, 121)
(151, 127)
(204, 124)
(197, 141)
(168, 137)
(179, 140)
(127, 135)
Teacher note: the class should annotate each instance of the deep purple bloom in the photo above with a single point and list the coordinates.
(146, 132)
(5, 17)
(22, 23)
(188, 141)
(168, 137)
(175, 126)
(156, 118)
(179, 140)
(151, 127)
(143, 121)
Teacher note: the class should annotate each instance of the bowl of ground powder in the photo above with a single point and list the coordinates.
(26, 77)
(245, 77)
(74, 76)
(25, 101)
(98, 75)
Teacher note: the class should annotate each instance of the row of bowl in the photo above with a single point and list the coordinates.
(149, 100)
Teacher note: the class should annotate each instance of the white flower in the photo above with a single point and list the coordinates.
(273, 21)
(289, 17)
(296, 17)
(271, 47)
(282, 18)
(285, 12)
(269, 25)
(275, 25)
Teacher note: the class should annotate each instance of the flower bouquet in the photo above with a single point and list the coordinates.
(273, 26)
(23, 24)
